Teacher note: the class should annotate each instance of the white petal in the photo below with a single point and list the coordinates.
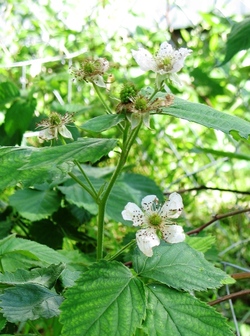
(144, 59)
(98, 80)
(133, 213)
(146, 239)
(65, 132)
(135, 119)
(173, 233)
(147, 202)
(173, 207)
(47, 134)
(104, 63)
(165, 50)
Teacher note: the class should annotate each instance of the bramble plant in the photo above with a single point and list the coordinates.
(148, 286)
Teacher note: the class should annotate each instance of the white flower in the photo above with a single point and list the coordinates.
(167, 61)
(92, 70)
(153, 218)
(54, 126)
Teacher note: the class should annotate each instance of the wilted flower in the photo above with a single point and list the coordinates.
(55, 125)
(92, 70)
(154, 219)
(166, 63)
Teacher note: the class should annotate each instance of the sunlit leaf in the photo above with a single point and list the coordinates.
(106, 300)
(179, 266)
(8, 91)
(238, 39)
(180, 314)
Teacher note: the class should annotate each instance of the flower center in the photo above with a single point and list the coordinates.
(54, 119)
(88, 68)
(141, 104)
(154, 219)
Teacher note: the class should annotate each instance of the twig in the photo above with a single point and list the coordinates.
(239, 276)
(215, 218)
(229, 296)
(203, 187)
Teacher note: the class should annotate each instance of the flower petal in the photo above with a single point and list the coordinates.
(173, 233)
(148, 201)
(133, 212)
(144, 59)
(146, 239)
(173, 207)
(47, 134)
(65, 132)
(98, 80)
(165, 50)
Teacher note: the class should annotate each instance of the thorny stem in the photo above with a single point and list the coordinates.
(83, 185)
(86, 178)
(101, 99)
(215, 218)
(229, 296)
(127, 144)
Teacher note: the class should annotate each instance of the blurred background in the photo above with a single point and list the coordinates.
(41, 40)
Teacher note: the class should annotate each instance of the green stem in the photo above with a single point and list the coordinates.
(33, 328)
(101, 99)
(94, 195)
(113, 257)
(102, 205)
(86, 178)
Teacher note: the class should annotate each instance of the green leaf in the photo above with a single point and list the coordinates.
(46, 276)
(238, 39)
(29, 302)
(83, 150)
(35, 204)
(48, 163)
(207, 116)
(103, 123)
(2, 321)
(8, 92)
(21, 253)
(106, 300)
(179, 266)
(180, 314)
(18, 117)
(201, 244)
(13, 158)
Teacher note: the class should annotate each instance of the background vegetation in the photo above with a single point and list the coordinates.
(209, 168)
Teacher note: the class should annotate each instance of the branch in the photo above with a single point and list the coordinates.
(203, 187)
(229, 296)
(239, 276)
(215, 218)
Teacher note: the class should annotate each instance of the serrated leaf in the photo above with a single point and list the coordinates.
(180, 314)
(8, 91)
(29, 302)
(13, 158)
(238, 39)
(22, 253)
(179, 266)
(46, 276)
(103, 123)
(35, 204)
(83, 150)
(201, 244)
(106, 300)
(207, 116)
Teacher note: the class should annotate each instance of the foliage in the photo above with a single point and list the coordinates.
(69, 264)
